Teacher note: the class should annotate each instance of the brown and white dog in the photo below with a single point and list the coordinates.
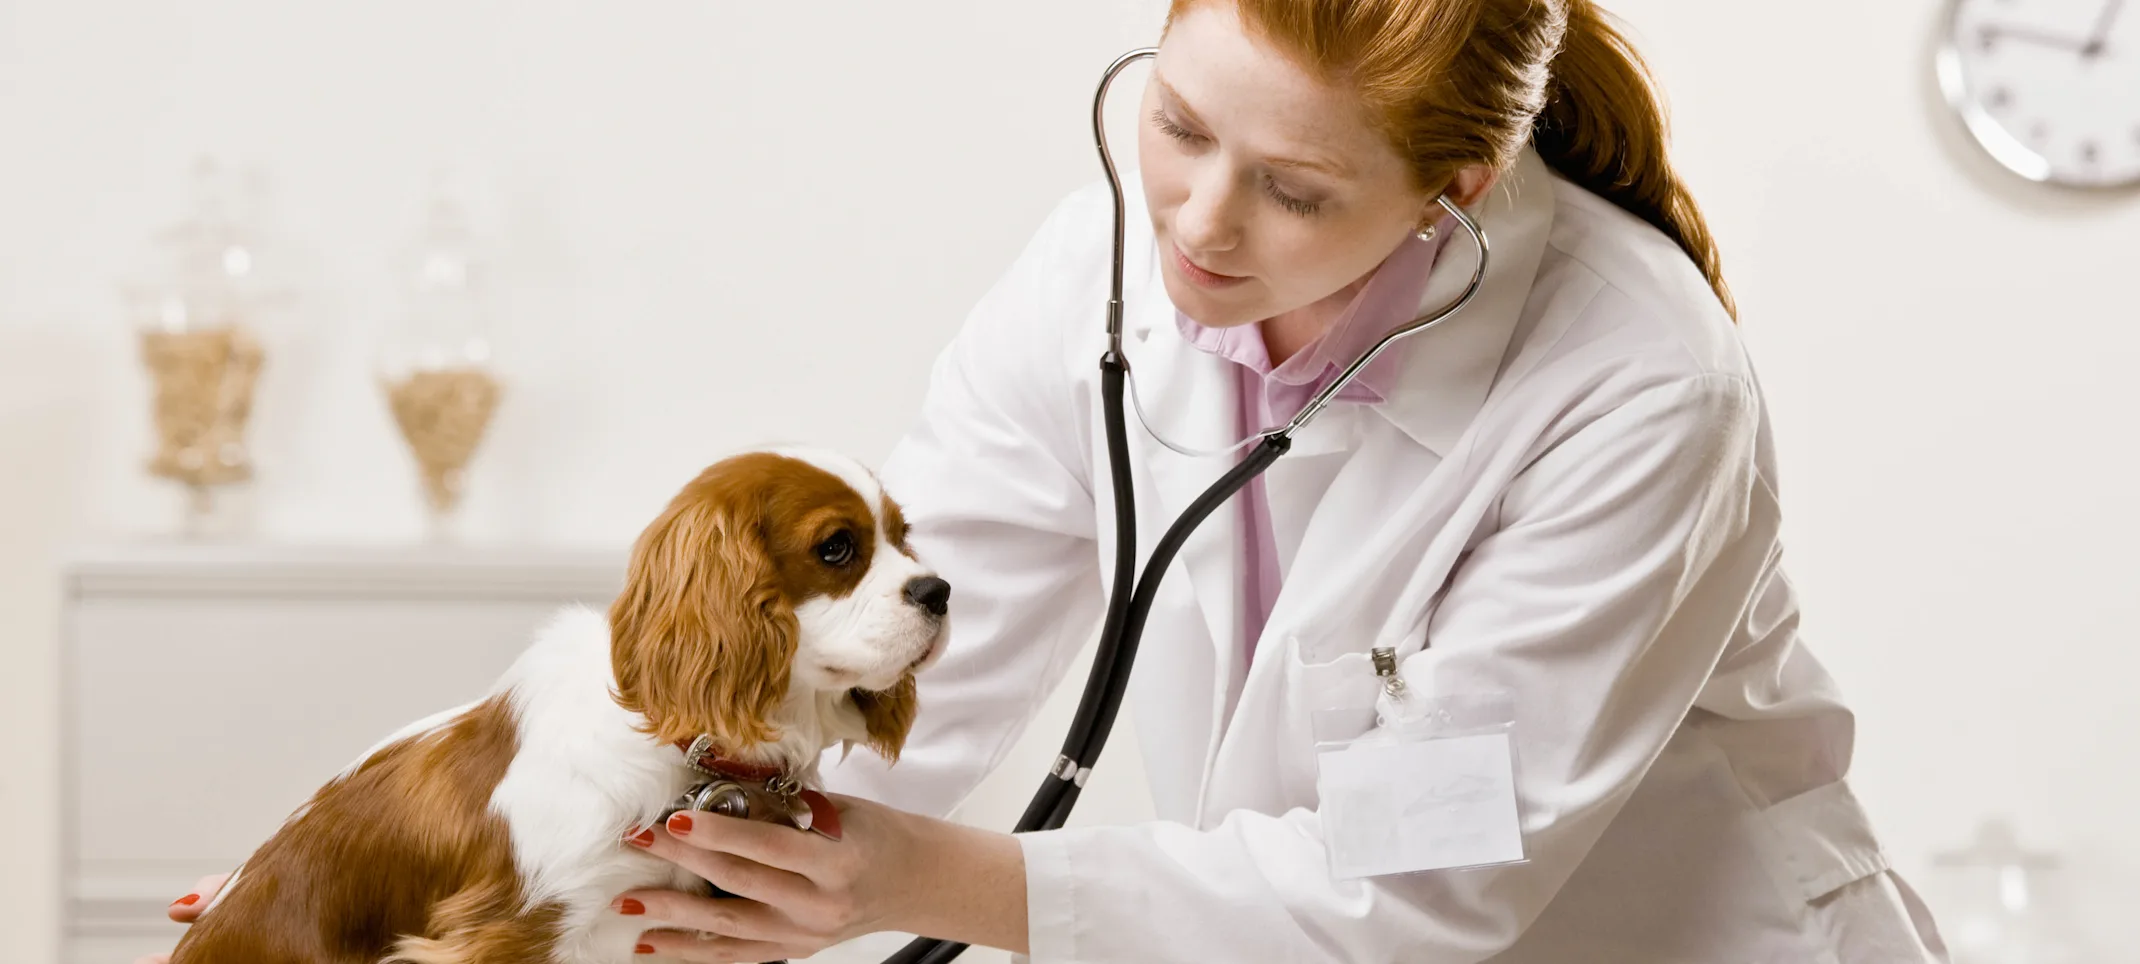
(773, 607)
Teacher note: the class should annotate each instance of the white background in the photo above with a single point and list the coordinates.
(724, 222)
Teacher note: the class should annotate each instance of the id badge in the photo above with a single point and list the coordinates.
(1430, 785)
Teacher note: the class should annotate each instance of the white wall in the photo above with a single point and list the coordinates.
(722, 222)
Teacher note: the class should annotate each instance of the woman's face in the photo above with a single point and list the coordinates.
(1268, 190)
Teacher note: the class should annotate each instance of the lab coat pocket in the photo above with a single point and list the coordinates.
(1333, 699)
(1405, 783)
(1323, 701)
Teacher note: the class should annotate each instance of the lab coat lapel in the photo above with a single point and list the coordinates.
(1448, 370)
(1446, 375)
(1190, 397)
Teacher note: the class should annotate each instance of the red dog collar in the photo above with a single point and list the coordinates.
(702, 756)
(823, 817)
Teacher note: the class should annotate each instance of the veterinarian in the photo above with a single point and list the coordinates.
(1562, 503)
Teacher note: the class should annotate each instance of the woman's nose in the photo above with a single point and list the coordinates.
(929, 593)
(1203, 224)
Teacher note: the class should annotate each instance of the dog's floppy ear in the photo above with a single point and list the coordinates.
(887, 716)
(701, 638)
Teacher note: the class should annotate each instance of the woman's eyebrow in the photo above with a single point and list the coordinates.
(1180, 102)
(1310, 162)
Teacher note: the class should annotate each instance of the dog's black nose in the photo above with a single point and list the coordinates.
(929, 593)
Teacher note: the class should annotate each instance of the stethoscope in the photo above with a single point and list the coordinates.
(1129, 602)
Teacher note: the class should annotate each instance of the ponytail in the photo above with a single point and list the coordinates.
(1604, 129)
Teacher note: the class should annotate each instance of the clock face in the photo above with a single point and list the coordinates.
(2050, 87)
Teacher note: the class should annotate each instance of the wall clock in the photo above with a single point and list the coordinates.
(2050, 88)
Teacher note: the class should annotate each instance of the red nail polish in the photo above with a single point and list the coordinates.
(643, 949)
(630, 907)
(186, 901)
(644, 838)
(680, 823)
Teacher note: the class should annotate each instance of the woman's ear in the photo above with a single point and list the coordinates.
(887, 716)
(701, 638)
(1467, 188)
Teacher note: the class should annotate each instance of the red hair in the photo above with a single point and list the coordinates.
(1454, 83)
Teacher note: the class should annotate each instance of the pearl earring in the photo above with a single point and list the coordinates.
(1428, 232)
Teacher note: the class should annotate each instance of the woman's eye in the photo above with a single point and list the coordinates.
(1167, 126)
(838, 550)
(1288, 201)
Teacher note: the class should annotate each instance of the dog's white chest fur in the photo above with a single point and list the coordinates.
(584, 775)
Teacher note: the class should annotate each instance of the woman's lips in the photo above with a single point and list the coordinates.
(1201, 277)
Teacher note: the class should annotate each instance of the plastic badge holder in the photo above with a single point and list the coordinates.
(1418, 784)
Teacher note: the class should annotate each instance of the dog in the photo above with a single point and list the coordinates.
(771, 612)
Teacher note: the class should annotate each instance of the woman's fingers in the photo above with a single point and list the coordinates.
(185, 909)
(712, 949)
(731, 873)
(770, 844)
(734, 917)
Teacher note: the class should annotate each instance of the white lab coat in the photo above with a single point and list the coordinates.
(1569, 496)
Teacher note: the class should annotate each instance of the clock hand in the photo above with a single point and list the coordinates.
(2103, 24)
(2037, 37)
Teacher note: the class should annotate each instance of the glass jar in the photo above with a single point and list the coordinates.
(197, 312)
(435, 365)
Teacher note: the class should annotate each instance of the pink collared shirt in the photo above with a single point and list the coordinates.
(1269, 397)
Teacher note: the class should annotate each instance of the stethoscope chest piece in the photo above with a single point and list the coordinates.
(725, 797)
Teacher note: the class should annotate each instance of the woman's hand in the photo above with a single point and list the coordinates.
(186, 909)
(798, 892)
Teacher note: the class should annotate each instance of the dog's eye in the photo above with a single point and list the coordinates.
(838, 550)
